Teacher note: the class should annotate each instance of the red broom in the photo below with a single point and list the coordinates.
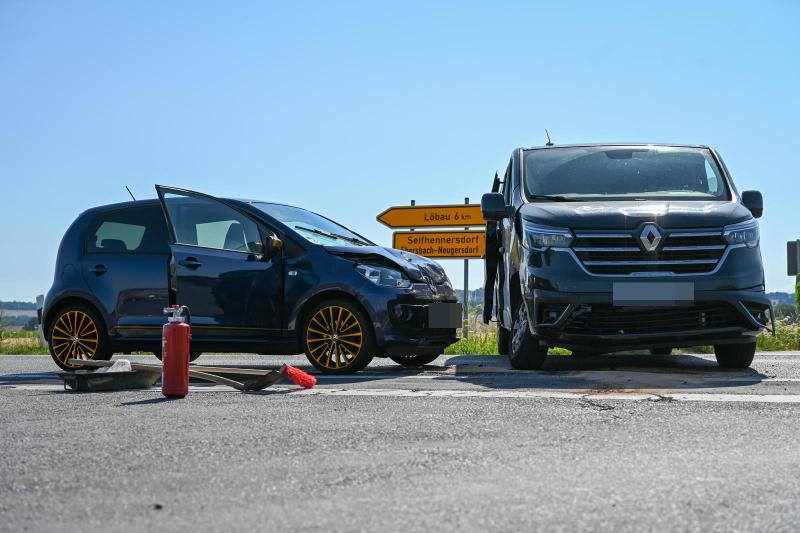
(298, 377)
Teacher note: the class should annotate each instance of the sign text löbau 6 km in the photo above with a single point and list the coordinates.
(442, 244)
(430, 216)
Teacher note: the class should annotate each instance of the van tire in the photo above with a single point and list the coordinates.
(503, 340)
(735, 355)
(414, 361)
(525, 353)
(192, 355)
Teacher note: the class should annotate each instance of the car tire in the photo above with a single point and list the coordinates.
(525, 353)
(413, 361)
(503, 340)
(77, 332)
(192, 355)
(735, 355)
(660, 351)
(323, 337)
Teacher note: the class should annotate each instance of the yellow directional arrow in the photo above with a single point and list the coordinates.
(432, 216)
(442, 244)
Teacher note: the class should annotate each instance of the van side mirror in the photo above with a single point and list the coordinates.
(753, 201)
(493, 206)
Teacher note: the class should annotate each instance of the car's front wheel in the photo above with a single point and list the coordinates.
(735, 355)
(77, 332)
(337, 337)
(413, 361)
(525, 353)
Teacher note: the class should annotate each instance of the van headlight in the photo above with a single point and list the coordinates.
(542, 237)
(742, 233)
(385, 277)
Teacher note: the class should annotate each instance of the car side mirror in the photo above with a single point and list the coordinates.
(493, 206)
(753, 201)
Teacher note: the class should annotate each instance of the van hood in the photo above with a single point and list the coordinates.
(416, 267)
(630, 214)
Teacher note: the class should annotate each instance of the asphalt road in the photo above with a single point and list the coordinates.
(612, 443)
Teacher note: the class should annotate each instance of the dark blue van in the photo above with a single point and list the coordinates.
(257, 276)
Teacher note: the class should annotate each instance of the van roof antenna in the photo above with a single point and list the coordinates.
(129, 192)
(549, 141)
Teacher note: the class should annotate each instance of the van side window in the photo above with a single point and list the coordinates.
(137, 230)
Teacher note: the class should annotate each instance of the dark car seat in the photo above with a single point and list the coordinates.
(113, 246)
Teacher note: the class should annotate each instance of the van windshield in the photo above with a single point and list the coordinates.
(604, 173)
(313, 227)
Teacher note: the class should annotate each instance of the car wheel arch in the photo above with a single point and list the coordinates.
(66, 301)
(303, 310)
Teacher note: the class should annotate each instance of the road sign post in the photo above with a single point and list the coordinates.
(463, 244)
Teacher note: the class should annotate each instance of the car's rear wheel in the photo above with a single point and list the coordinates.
(77, 332)
(735, 355)
(337, 337)
(413, 361)
(503, 340)
(525, 352)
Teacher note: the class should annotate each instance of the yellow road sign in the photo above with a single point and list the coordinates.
(430, 216)
(469, 244)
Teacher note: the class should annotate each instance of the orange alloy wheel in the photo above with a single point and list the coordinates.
(74, 336)
(334, 337)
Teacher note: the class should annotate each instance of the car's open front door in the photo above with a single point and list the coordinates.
(221, 268)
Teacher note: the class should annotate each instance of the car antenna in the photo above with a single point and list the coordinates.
(549, 141)
(129, 192)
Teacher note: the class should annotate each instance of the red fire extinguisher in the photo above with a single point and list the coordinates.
(175, 339)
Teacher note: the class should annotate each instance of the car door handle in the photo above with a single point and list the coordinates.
(98, 270)
(190, 262)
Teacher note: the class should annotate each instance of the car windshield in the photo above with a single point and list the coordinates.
(313, 227)
(601, 173)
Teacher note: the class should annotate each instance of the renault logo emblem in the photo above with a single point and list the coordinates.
(650, 238)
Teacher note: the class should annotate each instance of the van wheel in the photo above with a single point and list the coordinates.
(413, 361)
(77, 332)
(503, 340)
(735, 355)
(337, 337)
(525, 352)
(192, 355)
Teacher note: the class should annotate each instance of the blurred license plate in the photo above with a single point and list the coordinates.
(444, 315)
(654, 294)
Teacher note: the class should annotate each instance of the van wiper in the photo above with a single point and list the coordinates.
(553, 197)
(331, 235)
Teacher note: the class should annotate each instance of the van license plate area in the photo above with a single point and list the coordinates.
(444, 315)
(653, 294)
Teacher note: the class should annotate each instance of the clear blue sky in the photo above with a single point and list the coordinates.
(347, 108)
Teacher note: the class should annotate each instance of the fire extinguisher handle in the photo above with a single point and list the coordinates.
(188, 314)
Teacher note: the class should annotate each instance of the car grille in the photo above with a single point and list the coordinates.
(679, 252)
(605, 319)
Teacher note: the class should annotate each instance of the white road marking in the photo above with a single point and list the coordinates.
(515, 394)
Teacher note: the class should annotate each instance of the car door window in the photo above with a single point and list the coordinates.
(128, 230)
(200, 221)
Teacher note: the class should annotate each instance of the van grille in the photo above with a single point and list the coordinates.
(605, 319)
(679, 252)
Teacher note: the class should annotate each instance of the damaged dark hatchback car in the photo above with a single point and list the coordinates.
(601, 248)
(257, 276)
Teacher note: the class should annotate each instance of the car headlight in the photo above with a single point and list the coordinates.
(742, 233)
(385, 277)
(542, 237)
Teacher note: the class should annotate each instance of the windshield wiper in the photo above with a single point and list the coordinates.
(331, 235)
(553, 197)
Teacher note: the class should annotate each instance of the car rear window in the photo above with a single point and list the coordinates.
(132, 230)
